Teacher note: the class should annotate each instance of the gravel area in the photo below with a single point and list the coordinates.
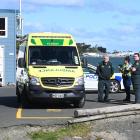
(119, 128)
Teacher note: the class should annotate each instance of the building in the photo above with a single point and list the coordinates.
(8, 31)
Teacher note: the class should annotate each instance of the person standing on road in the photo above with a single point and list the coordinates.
(104, 72)
(136, 77)
(125, 69)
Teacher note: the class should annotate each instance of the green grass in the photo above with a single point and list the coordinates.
(99, 138)
(81, 130)
(44, 136)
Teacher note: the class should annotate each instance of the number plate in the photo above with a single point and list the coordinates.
(57, 95)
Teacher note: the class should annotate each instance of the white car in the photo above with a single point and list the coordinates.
(91, 80)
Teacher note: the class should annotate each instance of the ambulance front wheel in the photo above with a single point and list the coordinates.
(80, 103)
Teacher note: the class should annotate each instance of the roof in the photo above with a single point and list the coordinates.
(49, 34)
(9, 11)
(49, 39)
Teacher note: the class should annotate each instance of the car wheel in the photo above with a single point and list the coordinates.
(80, 103)
(114, 86)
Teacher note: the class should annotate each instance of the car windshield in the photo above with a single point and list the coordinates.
(53, 55)
(89, 71)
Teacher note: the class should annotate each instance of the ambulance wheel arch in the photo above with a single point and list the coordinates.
(114, 86)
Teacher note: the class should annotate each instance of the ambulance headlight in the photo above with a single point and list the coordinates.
(79, 80)
(34, 80)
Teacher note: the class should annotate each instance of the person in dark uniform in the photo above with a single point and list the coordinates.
(125, 69)
(136, 77)
(104, 72)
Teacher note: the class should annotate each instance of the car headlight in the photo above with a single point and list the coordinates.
(79, 80)
(34, 80)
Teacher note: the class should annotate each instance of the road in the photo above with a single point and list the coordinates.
(12, 113)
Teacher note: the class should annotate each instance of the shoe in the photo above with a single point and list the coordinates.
(101, 101)
(136, 102)
(106, 100)
(126, 100)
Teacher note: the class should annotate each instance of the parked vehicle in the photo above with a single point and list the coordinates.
(49, 68)
(91, 80)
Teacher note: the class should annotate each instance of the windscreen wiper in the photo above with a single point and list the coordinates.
(71, 67)
(39, 66)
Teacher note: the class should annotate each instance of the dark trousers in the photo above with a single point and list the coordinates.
(127, 84)
(137, 92)
(136, 87)
(103, 88)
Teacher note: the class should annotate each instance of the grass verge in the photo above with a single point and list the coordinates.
(80, 130)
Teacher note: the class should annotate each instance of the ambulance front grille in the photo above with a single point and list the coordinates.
(57, 81)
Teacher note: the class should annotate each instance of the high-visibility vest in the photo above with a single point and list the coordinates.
(126, 70)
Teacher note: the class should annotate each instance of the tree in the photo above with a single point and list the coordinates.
(18, 43)
(82, 47)
(19, 40)
(101, 49)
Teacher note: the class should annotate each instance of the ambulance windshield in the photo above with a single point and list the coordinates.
(53, 55)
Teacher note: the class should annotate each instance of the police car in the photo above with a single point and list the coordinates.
(91, 80)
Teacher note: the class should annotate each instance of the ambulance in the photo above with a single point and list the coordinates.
(49, 69)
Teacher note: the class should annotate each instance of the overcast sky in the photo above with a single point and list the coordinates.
(113, 24)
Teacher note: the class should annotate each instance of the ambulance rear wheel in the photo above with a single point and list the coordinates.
(18, 95)
(24, 98)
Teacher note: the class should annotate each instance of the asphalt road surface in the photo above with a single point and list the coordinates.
(13, 113)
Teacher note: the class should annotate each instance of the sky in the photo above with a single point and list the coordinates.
(113, 24)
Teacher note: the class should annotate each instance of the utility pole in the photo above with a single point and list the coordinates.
(20, 18)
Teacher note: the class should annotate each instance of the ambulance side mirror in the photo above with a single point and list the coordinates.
(21, 63)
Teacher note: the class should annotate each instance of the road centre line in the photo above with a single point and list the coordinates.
(46, 118)
(18, 113)
(53, 110)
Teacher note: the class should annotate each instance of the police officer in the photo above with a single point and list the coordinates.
(136, 77)
(125, 69)
(105, 72)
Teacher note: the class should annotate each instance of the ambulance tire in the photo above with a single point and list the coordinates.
(24, 99)
(18, 95)
(80, 103)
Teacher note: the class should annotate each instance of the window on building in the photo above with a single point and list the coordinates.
(3, 27)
